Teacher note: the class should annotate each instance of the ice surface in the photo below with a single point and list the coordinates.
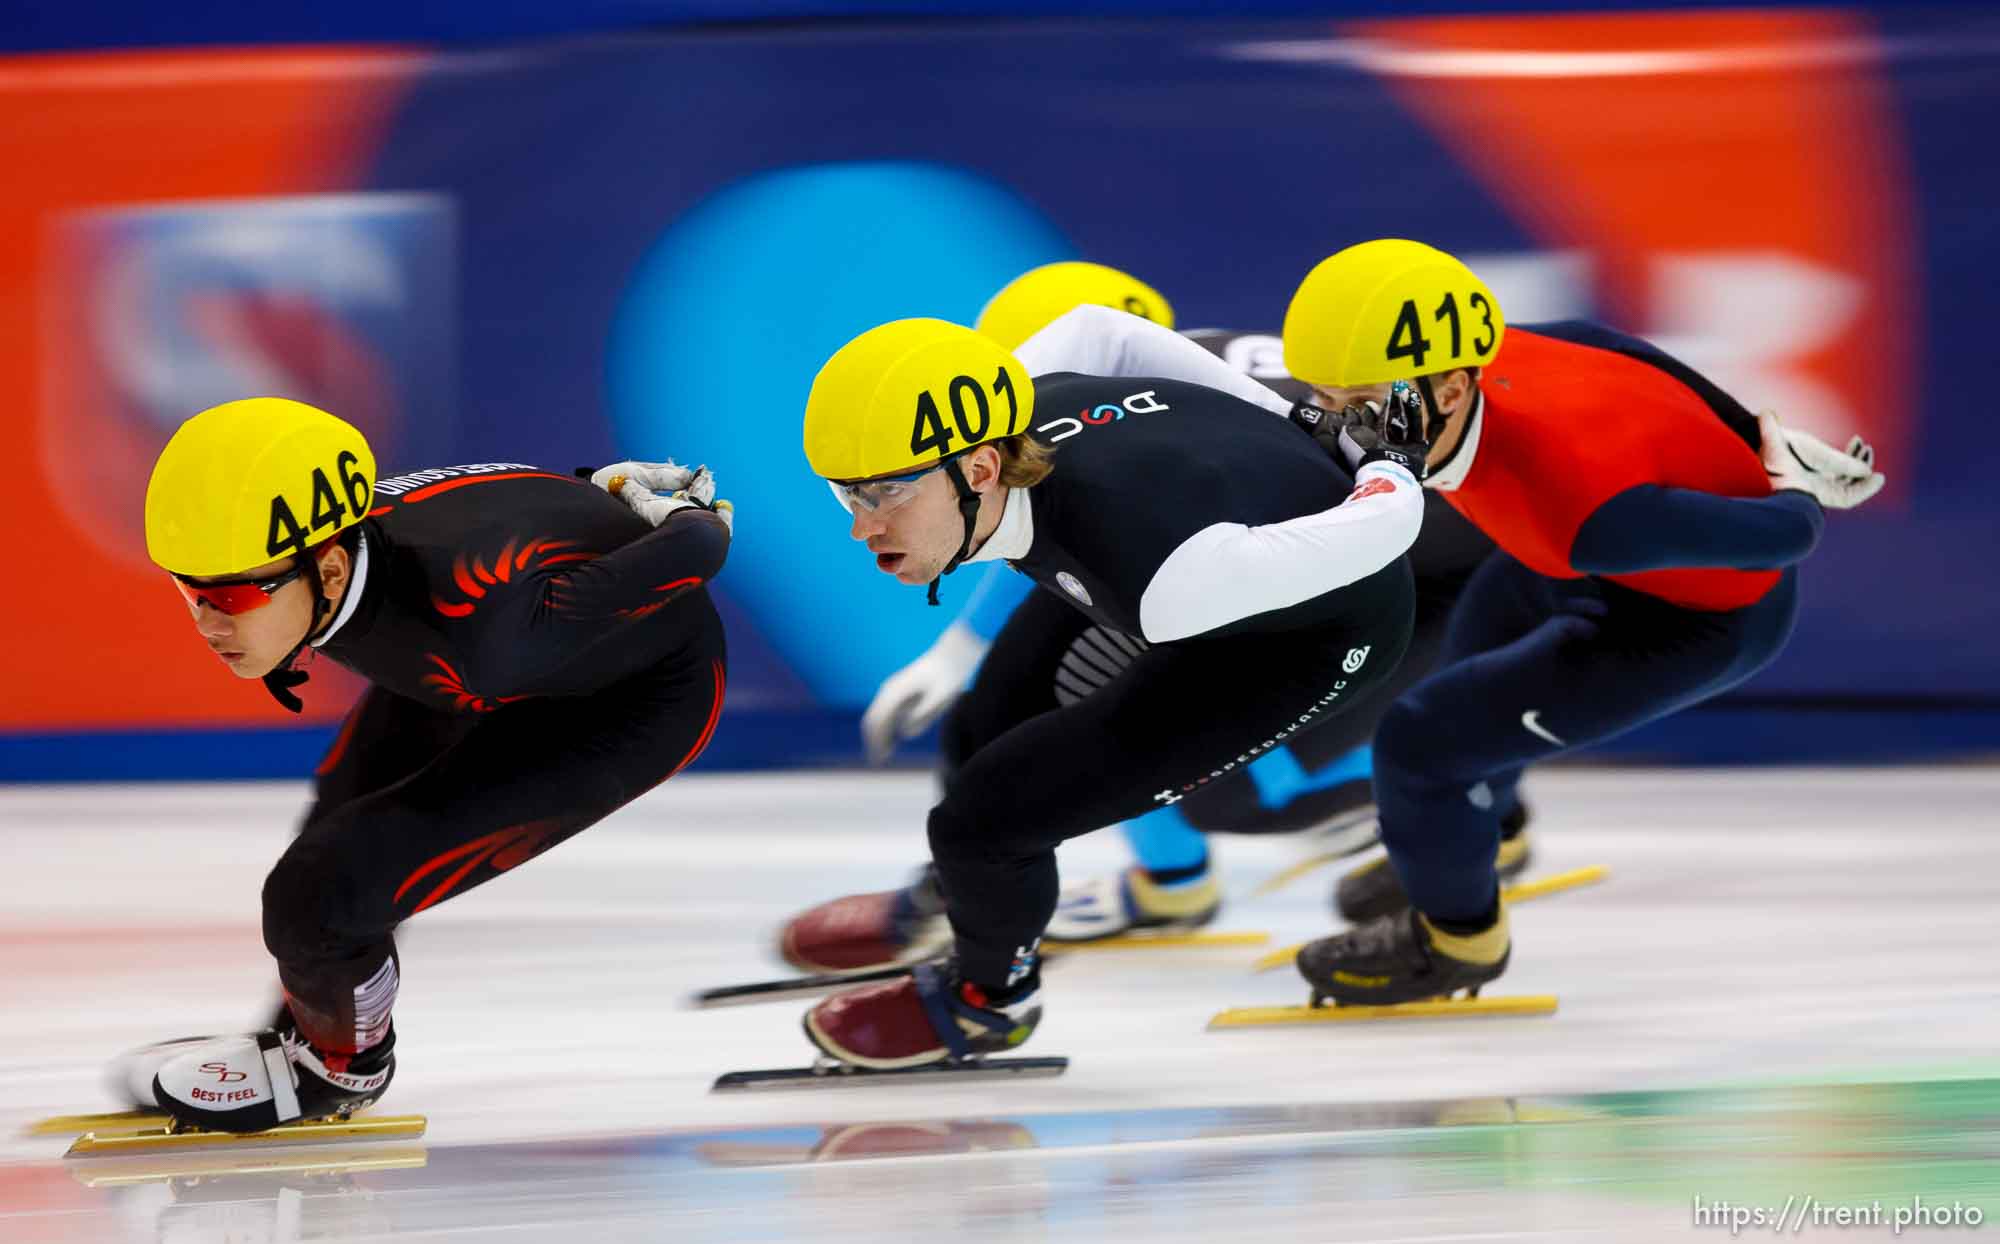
(1765, 935)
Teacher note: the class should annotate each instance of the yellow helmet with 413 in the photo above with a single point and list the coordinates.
(1388, 310)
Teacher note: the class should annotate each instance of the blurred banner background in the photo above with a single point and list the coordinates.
(493, 233)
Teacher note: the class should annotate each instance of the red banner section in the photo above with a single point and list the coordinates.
(98, 638)
(1729, 185)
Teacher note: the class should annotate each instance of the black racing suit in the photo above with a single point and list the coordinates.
(1216, 533)
(1447, 551)
(540, 656)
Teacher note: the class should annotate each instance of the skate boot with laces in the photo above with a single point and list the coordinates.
(1403, 958)
(1132, 901)
(932, 1015)
(1372, 890)
(863, 932)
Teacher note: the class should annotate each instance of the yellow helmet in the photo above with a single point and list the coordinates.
(1026, 304)
(249, 482)
(1387, 310)
(909, 394)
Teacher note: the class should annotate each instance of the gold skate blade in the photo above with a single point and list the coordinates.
(1286, 876)
(108, 1122)
(1575, 878)
(99, 1144)
(1526, 892)
(1435, 1008)
(159, 1167)
(1161, 941)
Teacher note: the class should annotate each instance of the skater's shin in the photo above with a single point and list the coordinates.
(343, 1007)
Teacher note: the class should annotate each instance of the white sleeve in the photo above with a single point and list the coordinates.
(1100, 341)
(1228, 572)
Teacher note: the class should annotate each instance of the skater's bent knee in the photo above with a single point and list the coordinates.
(954, 832)
(1409, 738)
(306, 896)
(959, 737)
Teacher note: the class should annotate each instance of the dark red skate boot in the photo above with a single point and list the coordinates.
(862, 932)
(929, 1016)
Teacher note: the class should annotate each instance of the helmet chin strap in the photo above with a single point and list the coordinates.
(1434, 420)
(968, 508)
(282, 678)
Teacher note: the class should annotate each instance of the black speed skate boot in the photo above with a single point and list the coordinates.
(1402, 958)
(253, 1082)
(1371, 890)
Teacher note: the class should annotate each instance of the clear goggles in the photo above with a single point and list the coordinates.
(883, 493)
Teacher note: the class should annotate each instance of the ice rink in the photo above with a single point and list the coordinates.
(1784, 997)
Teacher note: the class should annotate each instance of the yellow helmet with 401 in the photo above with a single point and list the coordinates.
(907, 398)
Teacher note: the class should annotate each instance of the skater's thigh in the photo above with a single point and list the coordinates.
(523, 779)
(1573, 680)
(1176, 720)
(1018, 678)
(384, 738)
(1502, 601)
(1317, 749)
(1448, 547)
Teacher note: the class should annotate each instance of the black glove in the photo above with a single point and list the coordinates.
(1321, 426)
(1389, 431)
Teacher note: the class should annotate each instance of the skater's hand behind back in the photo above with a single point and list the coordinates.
(656, 490)
(1800, 460)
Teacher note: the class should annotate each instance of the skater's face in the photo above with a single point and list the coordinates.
(1454, 390)
(251, 640)
(1336, 399)
(916, 539)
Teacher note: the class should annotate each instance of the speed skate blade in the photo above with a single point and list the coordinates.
(303, 1132)
(1436, 1008)
(842, 1075)
(1310, 864)
(1160, 941)
(1526, 892)
(161, 1167)
(1348, 833)
(793, 987)
(109, 1122)
(1575, 878)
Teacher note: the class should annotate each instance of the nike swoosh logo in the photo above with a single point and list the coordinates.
(1535, 728)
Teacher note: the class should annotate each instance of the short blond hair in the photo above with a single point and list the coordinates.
(1024, 461)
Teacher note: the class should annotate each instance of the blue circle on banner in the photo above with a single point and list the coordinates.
(716, 342)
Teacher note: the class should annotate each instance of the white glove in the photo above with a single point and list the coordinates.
(913, 697)
(655, 490)
(1793, 459)
(666, 476)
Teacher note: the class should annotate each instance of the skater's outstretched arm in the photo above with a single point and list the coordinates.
(1098, 341)
(611, 590)
(1230, 571)
(1655, 528)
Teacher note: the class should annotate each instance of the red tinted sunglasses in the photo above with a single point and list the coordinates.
(234, 596)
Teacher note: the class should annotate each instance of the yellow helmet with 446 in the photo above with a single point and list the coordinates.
(249, 482)
(1388, 310)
